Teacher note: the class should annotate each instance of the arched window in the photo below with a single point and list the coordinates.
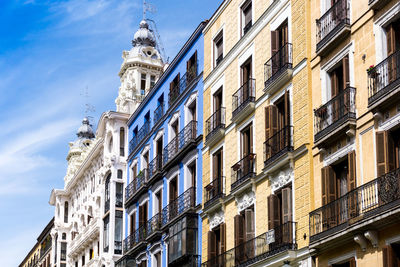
(119, 174)
(66, 212)
(122, 141)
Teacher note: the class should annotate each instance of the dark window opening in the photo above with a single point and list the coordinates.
(246, 18)
(218, 48)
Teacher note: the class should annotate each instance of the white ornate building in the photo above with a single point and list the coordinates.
(89, 209)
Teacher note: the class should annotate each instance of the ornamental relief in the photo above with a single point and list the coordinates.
(245, 201)
(216, 219)
(282, 179)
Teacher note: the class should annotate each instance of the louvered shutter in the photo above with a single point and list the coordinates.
(274, 50)
(249, 219)
(212, 245)
(286, 204)
(222, 233)
(351, 184)
(391, 153)
(273, 211)
(346, 72)
(381, 148)
(215, 166)
(271, 128)
(391, 48)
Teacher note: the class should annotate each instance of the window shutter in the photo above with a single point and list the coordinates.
(215, 166)
(381, 148)
(352, 262)
(222, 238)
(391, 40)
(249, 218)
(351, 178)
(274, 42)
(391, 153)
(287, 204)
(346, 72)
(334, 84)
(287, 109)
(251, 149)
(212, 244)
(273, 211)
(389, 257)
(239, 230)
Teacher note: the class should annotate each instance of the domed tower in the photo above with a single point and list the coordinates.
(141, 68)
(76, 148)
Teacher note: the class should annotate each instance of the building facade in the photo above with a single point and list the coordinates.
(257, 158)
(355, 61)
(163, 195)
(89, 209)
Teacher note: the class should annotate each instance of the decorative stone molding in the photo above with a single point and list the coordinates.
(340, 153)
(303, 263)
(245, 201)
(216, 219)
(282, 179)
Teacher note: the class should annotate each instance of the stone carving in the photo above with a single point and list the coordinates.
(216, 219)
(245, 201)
(282, 179)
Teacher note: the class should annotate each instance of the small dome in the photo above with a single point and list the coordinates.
(144, 36)
(85, 131)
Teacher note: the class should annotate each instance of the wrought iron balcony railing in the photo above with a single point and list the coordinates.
(135, 238)
(359, 204)
(184, 83)
(335, 112)
(158, 113)
(214, 191)
(243, 96)
(155, 166)
(247, 27)
(278, 144)
(187, 135)
(332, 21)
(383, 78)
(141, 134)
(266, 245)
(279, 62)
(119, 200)
(243, 170)
(139, 182)
(215, 122)
(183, 203)
(154, 224)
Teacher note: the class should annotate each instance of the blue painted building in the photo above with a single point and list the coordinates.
(163, 195)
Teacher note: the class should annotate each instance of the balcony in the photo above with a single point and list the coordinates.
(158, 113)
(278, 69)
(155, 168)
(278, 240)
(215, 127)
(184, 83)
(377, 4)
(141, 134)
(184, 203)
(243, 170)
(214, 191)
(243, 101)
(371, 205)
(154, 227)
(180, 144)
(384, 81)
(278, 145)
(333, 26)
(135, 240)
(336, 116)
(136, 187)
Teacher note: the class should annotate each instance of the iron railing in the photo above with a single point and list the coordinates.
(119, 200)
(214, 191)
(362, 202)
(219, 59)
(279, 143)
(187, 135)
(274, 241)
(154, 224)
(135, 238)
(137, 183)
(155, 166)
(336, 111)
(243, 170)
(247, 27)
(215, 122)
(329, 24)
(141, 134)
(243, 96)
(279, 62)
(183, 203)
(384, 77)
(158, 113)
(184, 82)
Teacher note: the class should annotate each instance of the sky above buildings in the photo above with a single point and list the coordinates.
(50, 51)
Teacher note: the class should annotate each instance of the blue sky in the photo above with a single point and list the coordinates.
(50, 51)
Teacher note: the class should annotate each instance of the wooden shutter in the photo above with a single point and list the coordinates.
(351, 177)
(222, 236)
(346, 72)
(381, 148)
(273, 211)
(391, 153)
(352, 262)
(334, 84)
(249, 219)
(389, 257)
(239, 230)
(287, 109)
(133, 223)
(215, 166)
(251, 139)
(286, 205)
(274, 42)
(271, 121)
(328, 184)
(212, 245)
(390, 39)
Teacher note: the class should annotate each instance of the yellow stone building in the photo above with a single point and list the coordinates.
(257, 158)
(355, 62)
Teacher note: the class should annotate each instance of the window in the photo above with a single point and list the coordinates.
(132, 219)
(349, 263)
(393, 46)
(143, 215)
(107, 193)
(246, 141)
(76, 264)
(387, 151)
(191, 67)
(118, 232)
(83, 260)
(192, 112)
(145, 160)
(91, 254)
(183, 238)
(134, 171)
(158, 202)
(157, 259)
(218, 49)
(66, 211)
(192, 174)
(246, 17)
(122, 141)
(244, 231)
(152, 81)
(119, 174)
(217, 100)
(216, 243)
(175, 82)
(391, 255)
(173, 189)
(106, 233)
(340, 77)
(218, 170)
(280, 207)
(143, 84)
(63, 255)
(245, 76)
(118, 194)
(279, 37)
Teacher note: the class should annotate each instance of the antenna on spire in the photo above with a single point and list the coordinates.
(89, 108)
